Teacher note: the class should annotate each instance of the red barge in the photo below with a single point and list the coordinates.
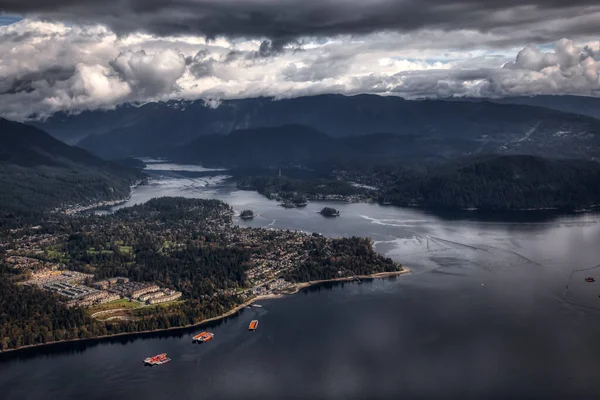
(157, 360)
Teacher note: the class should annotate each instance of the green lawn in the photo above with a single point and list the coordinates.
(92, 252)
(54, 254)
(126, 249)
(122, 303)
(170, 303)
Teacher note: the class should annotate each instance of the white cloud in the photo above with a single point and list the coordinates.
(46, 67)
(150, 75)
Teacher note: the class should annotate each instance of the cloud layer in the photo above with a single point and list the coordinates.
(50, 66)
(285, 20)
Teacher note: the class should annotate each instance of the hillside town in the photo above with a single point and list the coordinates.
(71, 286)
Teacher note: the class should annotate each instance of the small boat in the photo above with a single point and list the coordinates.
(590, 279)
(256, 305)
(203, 337)
(253, 325)
(157, 360)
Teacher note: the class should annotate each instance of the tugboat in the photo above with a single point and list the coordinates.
(590, 279)
(253, 325)
(157, 360)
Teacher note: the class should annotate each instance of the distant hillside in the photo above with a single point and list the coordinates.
(288, 145)
(449, 126)
(499, 183)
(297, 145)
(38, 172)
(583, 105)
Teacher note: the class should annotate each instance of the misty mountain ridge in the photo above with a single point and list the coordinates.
(154, 129)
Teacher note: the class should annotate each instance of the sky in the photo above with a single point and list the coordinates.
(67, 55)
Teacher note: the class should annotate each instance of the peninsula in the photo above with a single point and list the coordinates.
(169, 263)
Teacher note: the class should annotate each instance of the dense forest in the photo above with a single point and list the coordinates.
(344, 257)
(496, 183)
(486, 182)
(289, 188)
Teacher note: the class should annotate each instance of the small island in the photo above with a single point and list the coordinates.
(329, 212)
(300, 201)
(247, 214)
(288, 204)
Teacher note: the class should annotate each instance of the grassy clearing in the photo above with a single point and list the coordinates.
(113, 305)
(170, 303)
(163, 305)
(93, 252)
(54, 254)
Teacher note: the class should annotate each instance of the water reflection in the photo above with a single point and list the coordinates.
(485, 313)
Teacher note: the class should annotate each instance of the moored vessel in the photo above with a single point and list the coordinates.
(157, 360)
(253, 325)
(203, 337)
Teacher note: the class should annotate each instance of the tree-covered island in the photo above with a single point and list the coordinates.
(247, 214)
(329, 212)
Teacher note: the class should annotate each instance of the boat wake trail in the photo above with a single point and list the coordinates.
(587, 269)
(433, 238)
(522, 257)
(485, 248)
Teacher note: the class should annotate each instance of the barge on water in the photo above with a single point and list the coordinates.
(203, 337)
(253, 325)
(157, 360)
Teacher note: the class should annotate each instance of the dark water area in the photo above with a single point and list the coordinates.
(496, 307)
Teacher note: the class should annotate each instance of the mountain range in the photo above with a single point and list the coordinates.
(298, 145)
(434, 128)
(459, 153)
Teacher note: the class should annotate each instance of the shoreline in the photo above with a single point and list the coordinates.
(297, 287)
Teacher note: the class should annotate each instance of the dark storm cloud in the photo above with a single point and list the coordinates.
(284, 20)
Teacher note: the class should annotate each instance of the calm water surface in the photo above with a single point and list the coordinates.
(494, 308)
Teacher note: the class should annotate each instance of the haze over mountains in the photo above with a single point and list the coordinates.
(417, 143)
(428, 128)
